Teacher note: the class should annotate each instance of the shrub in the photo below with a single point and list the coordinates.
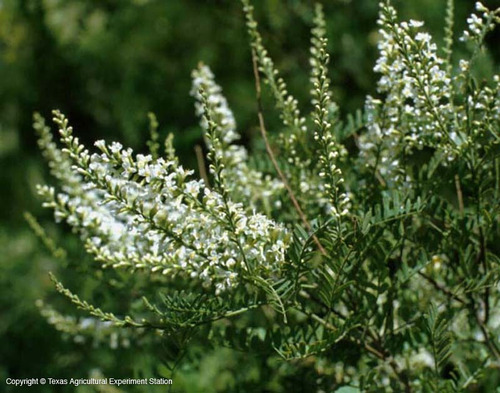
(367, 247)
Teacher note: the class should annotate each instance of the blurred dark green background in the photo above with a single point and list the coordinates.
(106, 63)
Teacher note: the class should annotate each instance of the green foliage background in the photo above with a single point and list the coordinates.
(106, 64)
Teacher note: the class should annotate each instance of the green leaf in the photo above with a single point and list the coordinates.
(347, 389)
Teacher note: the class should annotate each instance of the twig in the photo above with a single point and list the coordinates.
(481, 257)
(386, 356)
(441, 288)
(459, 195)
(273, 158)
(309, 296)
(493, 347)
(380, 353)
(201, 164)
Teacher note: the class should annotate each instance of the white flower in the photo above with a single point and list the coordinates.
(192, 188)
(423, 358)
(100, 144)
(416, 23)
(115, 147)
(424, 37)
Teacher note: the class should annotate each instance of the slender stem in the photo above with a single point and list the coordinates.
(201, 164)
(309, 296)
(272, 156)
(441, 288)
(376, 173)
(497, 178)
(380, 352)
(492, 346)
(387, 357)
(459, 195)
(482, 257)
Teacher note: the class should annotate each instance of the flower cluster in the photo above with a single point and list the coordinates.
(324, 116)
(419, 107)
(142, 213)
(480, 24)
(415, 81)
(247, 185)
